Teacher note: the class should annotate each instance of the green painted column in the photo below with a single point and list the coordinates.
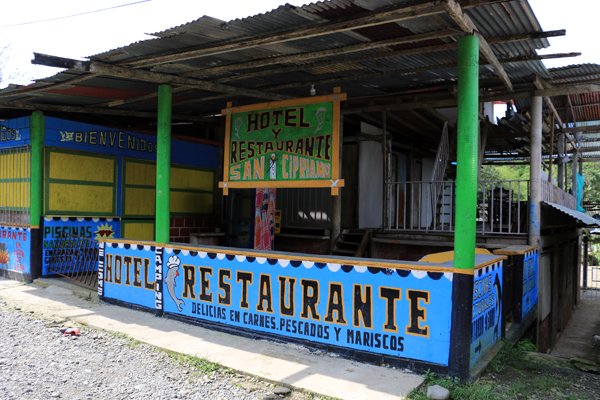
(37, 130)
(466, 207)
(163, 164)
(467, 152)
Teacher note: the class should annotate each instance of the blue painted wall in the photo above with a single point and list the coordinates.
(385, 311)
(487, 310)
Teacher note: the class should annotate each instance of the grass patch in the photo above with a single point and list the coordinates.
(480, 390)
(197, 363)
(129, 341)
(515, 373)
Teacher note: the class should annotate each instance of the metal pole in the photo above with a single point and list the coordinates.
(385, 171)
(466, 206)
(586, 241)
(574, 183)
(535, 167)
(561, 165)
(163, 164)
(551, 152)
(36, 179)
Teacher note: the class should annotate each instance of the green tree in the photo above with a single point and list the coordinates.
(591, 174)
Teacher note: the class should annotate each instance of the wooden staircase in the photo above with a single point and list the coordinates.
(352, 243)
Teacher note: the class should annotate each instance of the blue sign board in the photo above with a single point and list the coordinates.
(102, 140)
(378, 310)
(487, 310)
(385, 311)
(530, 282)
(60, 235)
(126, 273)
(15, 249)
(14, 132)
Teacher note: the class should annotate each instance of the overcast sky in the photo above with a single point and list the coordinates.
(53, 27)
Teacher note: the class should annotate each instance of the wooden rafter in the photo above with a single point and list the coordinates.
(465, 23)
(160, 78)
(98, 68)
(47, 86)
(526, 36)
(398, 72)
(539, 84)
(90, 110)
(371, 57)
(307, 56)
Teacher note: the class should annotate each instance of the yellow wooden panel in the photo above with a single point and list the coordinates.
(81, 168)
(138, 230)
(14, 194)
(14, 165)
(194, 179)
(139, 201)
(191, 203)
(80, 198)
(137, 173)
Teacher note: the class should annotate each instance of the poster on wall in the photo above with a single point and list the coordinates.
(60, 236)
(264, 219)
(291, 143)
(530, 283)
(15, 249)
(487, 310)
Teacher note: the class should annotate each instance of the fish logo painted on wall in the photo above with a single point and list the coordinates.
(172, 274)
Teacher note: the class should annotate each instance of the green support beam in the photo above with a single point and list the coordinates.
(466, 206)
(37, 129)
(467, 153)
(163, 164)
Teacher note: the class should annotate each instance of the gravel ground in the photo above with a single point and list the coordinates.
(38, 362)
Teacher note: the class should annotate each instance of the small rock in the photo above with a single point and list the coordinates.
(596, 339)
(436, 392)
(271, 396)
(282, 390)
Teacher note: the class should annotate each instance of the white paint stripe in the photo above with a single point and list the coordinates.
(334, 267)
(419, 274)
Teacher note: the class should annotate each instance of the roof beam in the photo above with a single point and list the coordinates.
(91, 110)
(307, 56)
(537, 82)
(408, 10)
(160, 78)
(567, 90)
(465, 23)
(98, 68)
(527, 36)
(36, 88)
(303, 58)
(584, 129)
(397, 72)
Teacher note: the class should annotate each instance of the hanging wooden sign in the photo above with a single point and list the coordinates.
(286, 144)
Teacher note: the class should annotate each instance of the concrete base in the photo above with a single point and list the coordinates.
(291, 365)
(577, 339)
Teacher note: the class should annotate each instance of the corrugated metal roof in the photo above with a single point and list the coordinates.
(583, 218)
(366, 74)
